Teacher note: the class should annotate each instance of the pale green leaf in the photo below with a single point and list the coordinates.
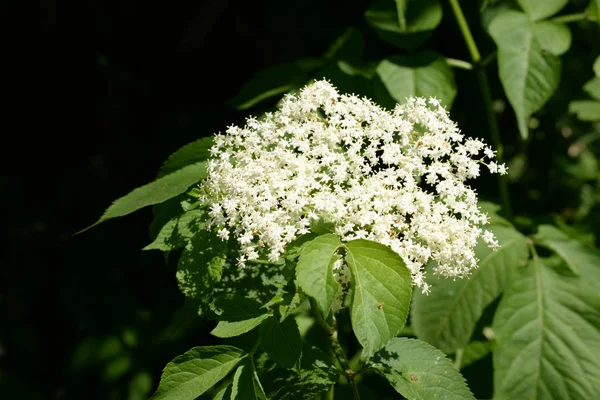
(547, 329)
(426, 74)
(314, 271)
(421, 17)
(381, 289)
(281, 340)
(194, 372)
(237, 315)
(552, 36)
(586, 110)
(201, 265)
(178, 231)
(191, 153)
(447, 316)
(160, 190)
(529, 72)
(537, 10)
(419, 371)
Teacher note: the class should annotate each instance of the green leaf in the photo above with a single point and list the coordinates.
(596, 66)
(552, 36)
(347, 78)
(314, 270)
(529, 72)
(155, 192)
(401, 10)
(447, 317)
(237, 315)
(426, 74)
(381, 290)
(586, 110)
(245, 384)
(576, 255)
(315, 376)
(194, 372)
(592, 87)
(475, 351)
(421, 17)
(537, 10)
(198, 150)
(201, 265)
(177, 232)
(281, 341)
(349, 46)
(492, 210)
(273, 81)
(547, 329)
(419, 371)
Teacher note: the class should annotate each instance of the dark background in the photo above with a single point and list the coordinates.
(99, 93)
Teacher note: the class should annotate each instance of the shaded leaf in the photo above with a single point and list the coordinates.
(529, 71)
(237, 315)
(178, 231)
(426, 74)
(421, 17)
(547, 329)
(281, 340)
(596, 66)
(245, 384)
(349, 47)
(273, 81)
(447, 317)
(592, 87)
(474, 352)
(194, 372)
(419, 371)
(160, 190)
(381, 289)
(201, 265)
(314, 271)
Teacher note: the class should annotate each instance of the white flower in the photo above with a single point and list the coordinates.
(397, 178)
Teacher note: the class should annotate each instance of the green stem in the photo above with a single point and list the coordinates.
(487, 101)
(330, 327)
(565, 19)
(458, 358)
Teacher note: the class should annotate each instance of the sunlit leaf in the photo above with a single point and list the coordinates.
(538, 10)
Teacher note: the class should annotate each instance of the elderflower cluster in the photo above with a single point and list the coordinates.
(397, 178)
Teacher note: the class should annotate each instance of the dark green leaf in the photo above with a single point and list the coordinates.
(237, 315)
(426, 74)
(529, 70)
(474, 352)
(314, 270)
(191, 153)
(381, 290)
(201, 265)
(177, 232)
(273, 81)
(596, 66)
(419, 371)
(281, 340)
(245, 384)
(421, 17)
(155, 192)
(349, 47)
(574, 253)
(547, 329)
(401, 10)
(447, 316)
(537, 10)
(196, 371)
